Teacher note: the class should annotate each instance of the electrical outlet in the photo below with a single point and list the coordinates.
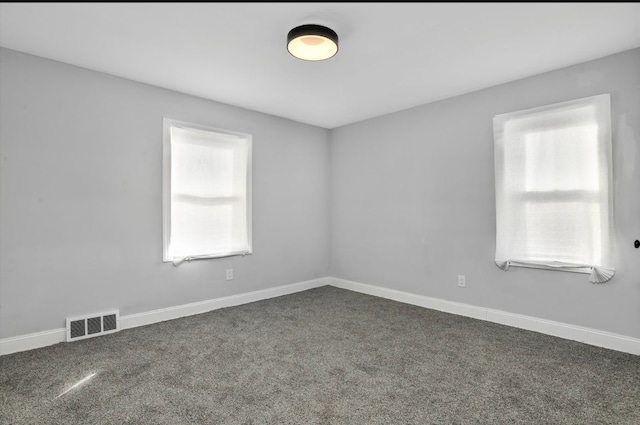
(229, 274)
(461, 281)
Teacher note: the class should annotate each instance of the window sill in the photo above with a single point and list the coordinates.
(177, 261)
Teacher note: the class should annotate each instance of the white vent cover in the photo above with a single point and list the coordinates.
(91, 325)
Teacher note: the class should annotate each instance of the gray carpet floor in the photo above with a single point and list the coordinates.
(323, 356)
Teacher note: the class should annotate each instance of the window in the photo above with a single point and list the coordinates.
(206, 192)
(554, 206)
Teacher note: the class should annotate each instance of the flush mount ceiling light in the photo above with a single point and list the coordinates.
(312, 42)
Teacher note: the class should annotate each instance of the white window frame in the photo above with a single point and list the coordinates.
(168, 123)
(601, 269)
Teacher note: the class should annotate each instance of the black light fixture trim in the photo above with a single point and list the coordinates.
(313, 30)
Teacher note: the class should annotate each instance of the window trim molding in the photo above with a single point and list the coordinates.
(167, 123)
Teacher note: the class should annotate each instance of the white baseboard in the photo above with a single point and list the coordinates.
(589, 336)
(408, 298)
(576, 333)
(160, 315)
(54, 336)
(31, 341)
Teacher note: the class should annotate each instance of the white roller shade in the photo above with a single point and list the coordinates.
(208, 192)
(554, 206)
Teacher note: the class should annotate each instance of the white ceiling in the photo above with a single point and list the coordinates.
(392, 56)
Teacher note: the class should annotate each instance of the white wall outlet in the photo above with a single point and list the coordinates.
(229, 274)
(461, 281)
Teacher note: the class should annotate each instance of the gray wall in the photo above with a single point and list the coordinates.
(81, 202)
(413, 201)
(404, 201)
